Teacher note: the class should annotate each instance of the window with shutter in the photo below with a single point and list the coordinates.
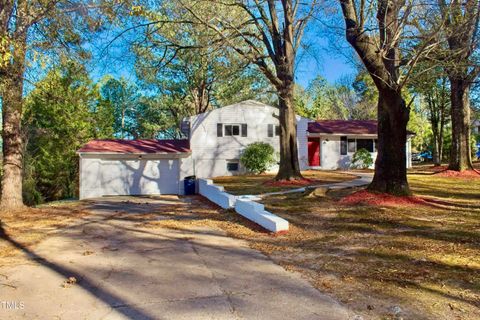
(270, 130)
(277, 130)
(219, 130)
(343, 145)
(244, 130)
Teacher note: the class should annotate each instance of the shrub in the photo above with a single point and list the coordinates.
(258, 157)
(362, 159)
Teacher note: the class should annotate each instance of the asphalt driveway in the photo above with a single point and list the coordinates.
(109, 266)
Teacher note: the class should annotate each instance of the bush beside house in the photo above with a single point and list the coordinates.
(362, 159)
(258, 157)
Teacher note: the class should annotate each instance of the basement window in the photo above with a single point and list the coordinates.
(232, 166)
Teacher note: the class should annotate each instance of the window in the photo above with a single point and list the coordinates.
(365, 144)
(232, 166)
(271, 127)
(230, 130)
(343, 145)
(352, 145)
(244, 130)
(219, 130)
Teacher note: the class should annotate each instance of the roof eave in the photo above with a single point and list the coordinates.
(132, 153)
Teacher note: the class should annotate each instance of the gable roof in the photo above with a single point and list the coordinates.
(245, 103)
(136, 146)
(343, 126)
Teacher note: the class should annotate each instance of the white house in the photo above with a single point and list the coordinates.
(332, 143)
(216, 140)
(131, 167)
(218, 137)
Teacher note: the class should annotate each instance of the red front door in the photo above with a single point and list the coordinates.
(314, 152)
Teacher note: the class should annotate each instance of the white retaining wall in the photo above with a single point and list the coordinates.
(215, 193)
(244, 205)
(256, 212)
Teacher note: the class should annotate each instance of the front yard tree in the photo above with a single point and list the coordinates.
(388, 41)
(36, 26)
(267, 33)
(461, 21)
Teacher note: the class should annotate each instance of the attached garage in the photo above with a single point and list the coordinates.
(131, 167)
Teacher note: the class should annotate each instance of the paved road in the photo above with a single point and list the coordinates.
(125, 271)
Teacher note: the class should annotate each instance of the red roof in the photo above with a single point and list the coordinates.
(136, 146)
(343, 126)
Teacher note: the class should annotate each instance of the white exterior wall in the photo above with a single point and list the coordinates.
(330, 152)
(302, 139)
(210, 153)
(476, 126)
(117, 174)
(331, 159)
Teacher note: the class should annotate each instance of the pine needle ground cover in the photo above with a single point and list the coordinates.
(415, 261)
(31, 225)
(264, 183)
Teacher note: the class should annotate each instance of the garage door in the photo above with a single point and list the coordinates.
(139, 177)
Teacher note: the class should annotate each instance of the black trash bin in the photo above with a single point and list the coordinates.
(189, 185)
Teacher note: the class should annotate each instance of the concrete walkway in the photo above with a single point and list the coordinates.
(362, 179)
(120, 269)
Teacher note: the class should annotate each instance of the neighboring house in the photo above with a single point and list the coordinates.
(332, 143)
(476, 127)
(216, 140)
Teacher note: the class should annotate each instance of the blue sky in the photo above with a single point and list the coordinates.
(330, 66)
(328, 55)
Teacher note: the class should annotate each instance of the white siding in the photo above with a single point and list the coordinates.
(210, 153)
(330, 152)
(476, 126)
(331, 159)
(302, 126)
(102, 175)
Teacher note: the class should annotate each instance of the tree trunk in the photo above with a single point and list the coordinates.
(390, 166)
(436, 153)
(460, 153)
(437, 158)
(440, 145)
(12, 136)
(289, 166)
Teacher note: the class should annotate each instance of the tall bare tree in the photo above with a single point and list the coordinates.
(461, 21)
(270, 34)
(390, 41)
